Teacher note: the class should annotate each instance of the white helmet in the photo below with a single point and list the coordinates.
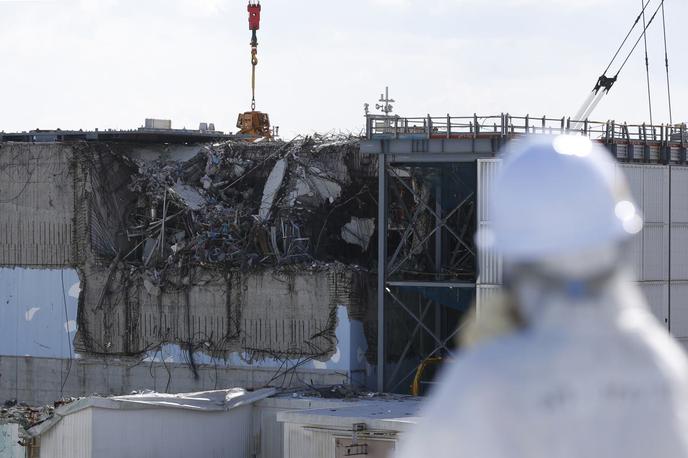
(556, 196)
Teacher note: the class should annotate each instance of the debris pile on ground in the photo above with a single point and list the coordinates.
(238, 205)
(345, 392)
(27, 416)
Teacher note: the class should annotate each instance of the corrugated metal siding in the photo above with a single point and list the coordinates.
(634, 177)
(71, 438)
(657, 296)
(269, 433)
(485, 295)
(489, 263)
(154, 432)
(679, 194)
(679, 223)
(649, 250)
(635, 255)
(678, 293)
(656, 193)
(679, 251)
(655, 266)
(649, 186)
(679, 309)
(172, 433)
(304, 443)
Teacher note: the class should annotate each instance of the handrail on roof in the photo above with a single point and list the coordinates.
(505, 125)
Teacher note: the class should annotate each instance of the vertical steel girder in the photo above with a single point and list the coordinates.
(381, 269)
(437, 255)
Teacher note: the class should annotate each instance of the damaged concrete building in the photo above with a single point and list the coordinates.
(182, 267)
(128, 266)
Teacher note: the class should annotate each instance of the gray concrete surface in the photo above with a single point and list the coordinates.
(37, 205)
(40, 381)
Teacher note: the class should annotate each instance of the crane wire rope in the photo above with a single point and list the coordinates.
(642, 14)
(666, 64)
(647, 66)
(623, 64)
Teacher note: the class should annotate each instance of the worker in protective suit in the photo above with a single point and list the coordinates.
(586, 371)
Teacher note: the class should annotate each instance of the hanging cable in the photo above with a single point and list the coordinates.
(69, 336)
(647, 67)
(666, 64)
(642, 14)
(604, 83)
(638, 40)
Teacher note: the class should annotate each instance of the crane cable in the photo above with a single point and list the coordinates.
(254, 62)
(666, 64)
(647, 67)
(623, 64)
(642, 14)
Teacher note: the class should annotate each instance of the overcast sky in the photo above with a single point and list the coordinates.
(111, 63)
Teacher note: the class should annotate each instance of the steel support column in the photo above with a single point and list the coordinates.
(381, 268)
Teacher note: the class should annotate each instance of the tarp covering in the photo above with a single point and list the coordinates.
(203, 400)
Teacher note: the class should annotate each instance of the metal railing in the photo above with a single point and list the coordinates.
(505, 125)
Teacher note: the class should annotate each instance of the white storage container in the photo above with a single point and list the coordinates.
(368, 428)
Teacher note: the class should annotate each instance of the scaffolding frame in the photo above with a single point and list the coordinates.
(424, 244)
(440, 142)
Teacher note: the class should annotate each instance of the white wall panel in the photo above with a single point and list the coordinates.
(657, 296)
(655, 252)
(679, 309)
(634, 177)
(656, 193)
(679, 251)
(150, 432)
(649, 187)
(489, 263)
(635, 255)
(679, 194)
(485, 295)
(649, 251)
(71, 438)
(300, 442)
(269, 433)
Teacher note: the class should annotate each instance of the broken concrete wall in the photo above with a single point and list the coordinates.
(38, 379)
(279, 313)
(37, 205)
(199, 248)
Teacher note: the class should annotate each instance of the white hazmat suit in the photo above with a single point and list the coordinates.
(592, 373)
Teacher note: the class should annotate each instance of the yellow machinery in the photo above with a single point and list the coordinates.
(254, 123)
(416, 388)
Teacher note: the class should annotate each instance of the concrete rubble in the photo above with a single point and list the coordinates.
(226, 256)
(203, 237)
(26, 417)
(241, 205)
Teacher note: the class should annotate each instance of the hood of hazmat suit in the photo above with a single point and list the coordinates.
(589, 371)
